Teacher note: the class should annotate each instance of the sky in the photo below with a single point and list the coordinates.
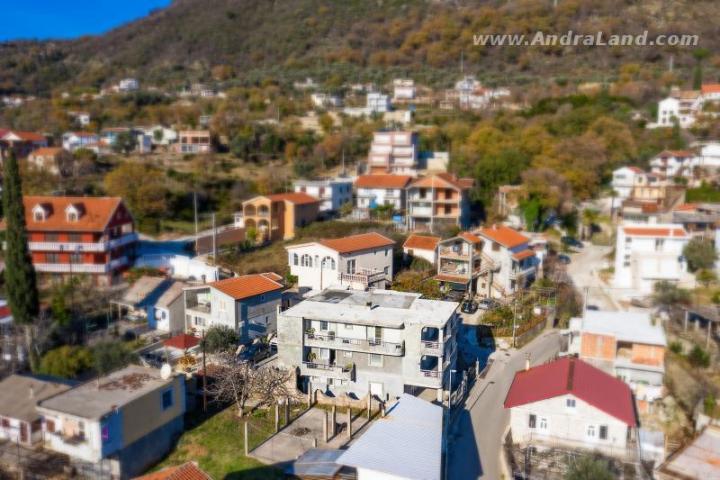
(56, 19)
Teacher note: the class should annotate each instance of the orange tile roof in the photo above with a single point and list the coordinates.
(636, 169)
(446, 179)
(355, 243)
(41, 152)
(470, 237)
(686, 207)
(297, 198)
(247, 286)
(655, 231)
(382, 181)
(710, 88)
(96, 213)
(675, 153)
(421, 242)
(186, 471)
(505, 236)
(522, 254)
(443, 277)
(26, 136)
(182, 341)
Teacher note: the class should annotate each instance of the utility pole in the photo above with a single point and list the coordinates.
(196, 220)
(204, 381)
(214, 240)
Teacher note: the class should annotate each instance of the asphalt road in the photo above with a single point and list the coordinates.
(477, 434)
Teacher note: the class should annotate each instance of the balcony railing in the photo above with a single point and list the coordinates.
(370, 345)
(314, 369)
(362, 276)
(83, 246)
(449, 252)
(522, 272)
(430, 373)
(199, 307)
(81, 267)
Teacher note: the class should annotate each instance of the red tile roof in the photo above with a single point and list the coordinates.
(444, 277)
(297, 198)
(522, 254)
(444, 180)
(26, 136)
(636, 169)
(655, 231)
(675, 153)
(186, 471)
(355, 243)
(182, 341)
(421, 242)
(382, 181)
(247, 286)
(96, 213)
(578, 378)
(710, 88)
(505, 236)
(686, 207)
(470, 237)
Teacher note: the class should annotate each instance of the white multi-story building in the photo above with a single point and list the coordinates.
(673, 163)
(394, 153)
(359, 261)
(624, 180)
(514, 264)
(373, 191)
(377, 102)
(333, 193)
(325, 100)
(681, 107)
(568, 402)
(380, 342)
(127, 85)
(403, 89)
(645, 254)
(72, 141)
(709, 156)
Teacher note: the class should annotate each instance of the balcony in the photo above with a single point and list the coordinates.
(421, 211)
(362, 278)
(370, 345)
(203, 308)
(450, 252)
(522, 272)
(83, 246)
(314, 369)
(81, 267)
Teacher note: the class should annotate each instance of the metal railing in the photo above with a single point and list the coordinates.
(372, 345)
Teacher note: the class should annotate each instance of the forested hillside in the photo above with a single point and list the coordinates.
(249, 40)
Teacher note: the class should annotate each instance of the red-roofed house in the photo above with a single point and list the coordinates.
(92, 236)
(361, 261)
(22, 143)
(647, 253)
(569, 402)
(624, 180)
(248, 304)
(55, 160)
(422, 246)
(513, 264)
(277, 216)
(377, 190)
(673, 163)
(460, 262)
(438, 201)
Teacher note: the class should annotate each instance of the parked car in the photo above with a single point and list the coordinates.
(487, 304)
(468, 306)
(571, 242)
(253, 353)
(564, 259)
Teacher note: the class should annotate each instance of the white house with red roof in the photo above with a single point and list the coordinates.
(673, 163)
(512, 264)
(359, 261)
(624, 180)
(372, 191)
(648, 253)
(570, 403)
(72, 141)
(22, 143)
(247, 304)
(421, 246)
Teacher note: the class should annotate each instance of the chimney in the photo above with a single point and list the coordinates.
(527, 362)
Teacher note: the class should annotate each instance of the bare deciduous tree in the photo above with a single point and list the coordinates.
(239, 382)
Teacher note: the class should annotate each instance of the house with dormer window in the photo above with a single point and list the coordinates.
(70, 236)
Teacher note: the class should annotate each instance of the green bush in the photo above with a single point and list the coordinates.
(699, 357)
(676, 347)
(66, 361)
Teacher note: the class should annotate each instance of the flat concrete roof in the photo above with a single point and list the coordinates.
(636, 327)
(700, 459)
(94, 399)
(374, 307)
(20, 394)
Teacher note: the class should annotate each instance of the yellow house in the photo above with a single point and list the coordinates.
(277, 216)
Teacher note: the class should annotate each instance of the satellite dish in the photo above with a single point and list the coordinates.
(165, 371)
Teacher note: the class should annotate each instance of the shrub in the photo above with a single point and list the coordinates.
(676, 347)
(66, 361)
(699, 357)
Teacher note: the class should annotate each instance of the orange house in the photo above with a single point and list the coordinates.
(277, 216)
(438, 200)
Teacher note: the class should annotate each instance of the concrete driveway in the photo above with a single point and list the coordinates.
(584, 269)
(476, 437)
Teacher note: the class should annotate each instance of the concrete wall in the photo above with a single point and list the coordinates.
(145, 414)
(568, 425)
(314, 277)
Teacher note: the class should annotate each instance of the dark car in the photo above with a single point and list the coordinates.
(571, 242)
(468, 306)
(564, 259)
(253, 353)
(487, 304)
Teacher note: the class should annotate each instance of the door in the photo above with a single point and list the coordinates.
(376, 389)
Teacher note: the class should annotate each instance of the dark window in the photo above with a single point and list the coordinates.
(532, 421)
(167, 399)
(52, 237)
(603, 432)
(74, 238)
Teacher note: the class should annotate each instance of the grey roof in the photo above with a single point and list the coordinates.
(407, 443)
(316, 463)
(139, 291)
(700, 459)
(20, 394)
(375, 307)
(114, 391)
(171, 294)
(636, 327)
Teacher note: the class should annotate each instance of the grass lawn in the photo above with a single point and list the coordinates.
(217, 445)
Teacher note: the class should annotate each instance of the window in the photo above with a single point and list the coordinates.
(167, 399)
(386, 251)
(74, 238)
(603, 432)
(351, 267)
(386, 270)
(52, 237)
(52, 258)
(375, 360)
(76, 258)
(590, 431)
(323, 325)
(306, 261)
(105, 433)
(532, 421)
(659, 244)
(543, 423)
(348, 326)
(295, 259)
(328, 263)
(495, 247)
(570, 403)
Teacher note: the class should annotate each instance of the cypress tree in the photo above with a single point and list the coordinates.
(20, 279)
